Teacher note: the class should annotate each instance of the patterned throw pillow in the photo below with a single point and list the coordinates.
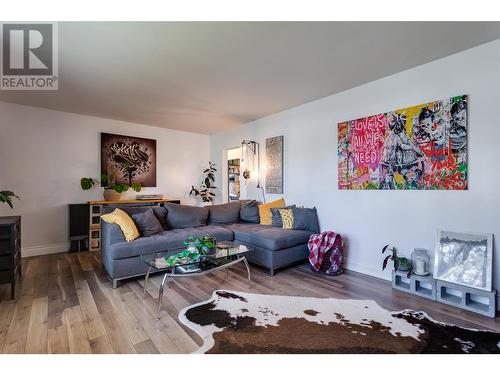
(276, 216)
(287, 218)
(125, 223)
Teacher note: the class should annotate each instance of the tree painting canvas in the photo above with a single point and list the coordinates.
(423, 147)
(128, 160)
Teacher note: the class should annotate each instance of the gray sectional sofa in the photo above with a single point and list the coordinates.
(273, 247)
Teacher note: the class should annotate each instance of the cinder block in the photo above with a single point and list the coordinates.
(423, 286)
(475, 300)
(401, 282)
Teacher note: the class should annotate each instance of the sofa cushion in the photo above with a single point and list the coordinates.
(172, 240)
(161, 215)
(276, 216)
(286, 217)
(180, 216)
(265, 210)
(305, 219)
(268, 237)
(147, 223)
(227, 213)
(249, 211)
(125, 223)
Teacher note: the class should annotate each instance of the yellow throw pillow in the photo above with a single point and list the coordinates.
(124, 221)
(266, 218)
(287, 218)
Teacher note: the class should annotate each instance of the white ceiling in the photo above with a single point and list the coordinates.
(210, 76)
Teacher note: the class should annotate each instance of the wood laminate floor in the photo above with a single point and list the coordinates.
(65, 304)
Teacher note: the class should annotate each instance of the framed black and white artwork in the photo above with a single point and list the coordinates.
(464, 258)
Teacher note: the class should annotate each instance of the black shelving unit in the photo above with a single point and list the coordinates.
(10, 251)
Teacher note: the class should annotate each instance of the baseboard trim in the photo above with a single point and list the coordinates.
(33, 251)
(370, 271)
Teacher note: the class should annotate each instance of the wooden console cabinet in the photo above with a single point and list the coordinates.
(10, 251)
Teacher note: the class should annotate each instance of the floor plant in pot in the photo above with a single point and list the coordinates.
(112, 190)
(205, 190)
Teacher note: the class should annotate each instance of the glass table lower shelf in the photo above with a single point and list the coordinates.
(227, 255)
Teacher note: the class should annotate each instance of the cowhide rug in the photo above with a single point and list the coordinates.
(236, 322)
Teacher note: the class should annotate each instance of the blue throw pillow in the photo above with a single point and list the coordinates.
(147, 223)
(305, 219)
(226, 213)
(249, 211)
(161, 215)
(181, 217)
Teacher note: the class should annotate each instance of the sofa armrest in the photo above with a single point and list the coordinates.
(110, 234)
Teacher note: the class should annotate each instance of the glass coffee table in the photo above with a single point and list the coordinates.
(227, 256)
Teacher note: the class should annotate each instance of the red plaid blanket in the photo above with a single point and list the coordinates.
(318, 245)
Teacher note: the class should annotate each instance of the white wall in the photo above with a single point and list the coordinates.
(44, 153)
(408, 219)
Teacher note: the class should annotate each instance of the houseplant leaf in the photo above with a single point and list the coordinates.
(384, 263)
(6, 197)
(87, 183)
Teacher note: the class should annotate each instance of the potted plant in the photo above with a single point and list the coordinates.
(205, 245)
(205, 191)
(400, 263)
(6, 197)
(112, 190)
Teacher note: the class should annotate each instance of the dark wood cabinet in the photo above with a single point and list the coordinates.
(10, 251)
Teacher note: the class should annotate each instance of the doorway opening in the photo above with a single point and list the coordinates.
(233, 185)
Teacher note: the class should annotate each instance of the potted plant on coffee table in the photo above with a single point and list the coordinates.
(205, 245)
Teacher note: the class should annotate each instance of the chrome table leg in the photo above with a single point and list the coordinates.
(146, 282)
(160, 296)
(248, 272)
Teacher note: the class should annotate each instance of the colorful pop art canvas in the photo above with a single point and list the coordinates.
(423, 147)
